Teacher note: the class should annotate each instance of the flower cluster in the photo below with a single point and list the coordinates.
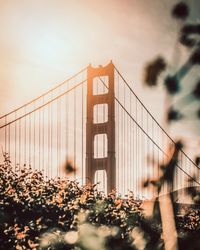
(59, 214)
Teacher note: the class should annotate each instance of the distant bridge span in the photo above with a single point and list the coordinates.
(95, 120)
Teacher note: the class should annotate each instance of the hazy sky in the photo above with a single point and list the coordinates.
(45, 42)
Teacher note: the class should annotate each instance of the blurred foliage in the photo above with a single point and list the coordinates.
(59, 214)
(69, 167)
(153, 70)
(195, 57)
(172, 85)
(180, 11)
(187, 223)
(38, 214)
(189, 36)
(196, 91)
(174, 115)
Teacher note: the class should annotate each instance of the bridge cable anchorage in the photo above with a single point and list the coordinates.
(154, 143)
(153, 117)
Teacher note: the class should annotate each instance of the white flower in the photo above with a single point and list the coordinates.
(71, 237)
(138, 238)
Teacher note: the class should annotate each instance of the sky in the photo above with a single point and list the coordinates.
(44, 42)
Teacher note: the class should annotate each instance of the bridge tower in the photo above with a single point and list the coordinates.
(107, 163)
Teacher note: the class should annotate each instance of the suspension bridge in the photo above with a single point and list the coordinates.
(95, 120)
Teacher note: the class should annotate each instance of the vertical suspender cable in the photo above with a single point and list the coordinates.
(30, 141)
(147, 153)
(158, 165)
(142, 145)
(118, 140)
(136, 165)
(131, 155)
(75, 131)
(129, 143)
(66, 122)
(9, 152)
(82, 120)
(124, 143)
(153, 158)
(34, 141)
(25, 136)
(39, 136)
(19, 143)
(51, 140)
(48, 141)
(15, 142)
(57, 139)
(5, 139)
(43, 136)
(126, 146)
